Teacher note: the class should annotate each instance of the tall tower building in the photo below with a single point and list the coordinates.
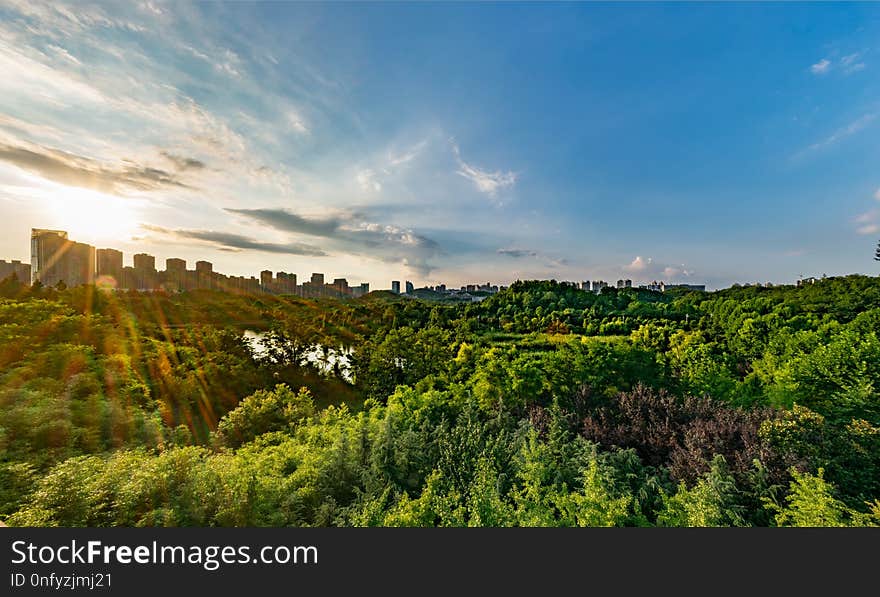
(56, 259)
(204, 274)
(409, 287)
(109, 262)
(266, 280)
(395, 286)
(145, 271)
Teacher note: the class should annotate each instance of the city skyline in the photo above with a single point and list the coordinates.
(558, 141)
(56, 258)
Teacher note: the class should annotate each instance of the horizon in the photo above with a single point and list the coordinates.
(456, 144)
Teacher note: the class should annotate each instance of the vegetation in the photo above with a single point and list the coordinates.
(542, 405)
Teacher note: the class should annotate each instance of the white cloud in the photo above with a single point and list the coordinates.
(851, 129)
(851, 63)
(486, 182)
(648, 269)
(868, 222)
(821, 67)
(296, 122)
(366, 178)
(65, 54)
(638, 264)
(406, 156)
(877, 195)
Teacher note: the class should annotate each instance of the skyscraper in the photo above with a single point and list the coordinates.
(175, 274)
(395, 286)
(409, 287)
(266, 280)
(109, 262)
(318, 279)
(21, 270)
(145, 271)
(56, 259)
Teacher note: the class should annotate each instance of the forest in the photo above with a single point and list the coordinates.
(542, 405)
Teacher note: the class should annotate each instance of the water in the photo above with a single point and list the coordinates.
(324, 361)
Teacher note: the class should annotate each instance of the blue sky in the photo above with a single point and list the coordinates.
(453, 143)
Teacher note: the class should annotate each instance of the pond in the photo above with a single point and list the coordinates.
(324, 358)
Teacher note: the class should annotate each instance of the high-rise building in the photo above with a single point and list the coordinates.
(340, 285)
(56, 259)
(365, 288)
(266, 280)
(109, 265)
(175, 265)
(21, 270)
(395, 286)
(286, 283)
(145, 271)
(175, 278)
(409, 287)
(317, 279)
(144, 261)
(205, 275)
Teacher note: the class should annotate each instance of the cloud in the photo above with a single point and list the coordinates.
(851, 129)
(281, 219)
(867, 222)
(877, 195)
(366, 179)
(638, 264)
(231, 241)
(296, 122)
(821, 67)
(486, 182)
(648, 268)
(69, 169)
(182, 163)
(64, 54)
(408, 155)
(352, 233)
(517, 253)
(851, 64)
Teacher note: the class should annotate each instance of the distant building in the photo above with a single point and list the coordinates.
(204, 276)
(317, 279)
(56, 259)
(145, 272)
(175, 277)
(144, 261)
(409, 287)
(598, 285)
(109, 266)
(286, 283)
(395, 286)
(21, 270)
(340, 285)
(266, 280)
(178, 266)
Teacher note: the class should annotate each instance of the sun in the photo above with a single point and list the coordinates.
(91, 216)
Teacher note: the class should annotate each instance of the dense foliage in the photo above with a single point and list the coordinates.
(541, 405)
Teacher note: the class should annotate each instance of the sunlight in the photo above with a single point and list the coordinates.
(90, 216)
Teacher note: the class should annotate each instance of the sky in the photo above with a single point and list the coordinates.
(449, 143)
